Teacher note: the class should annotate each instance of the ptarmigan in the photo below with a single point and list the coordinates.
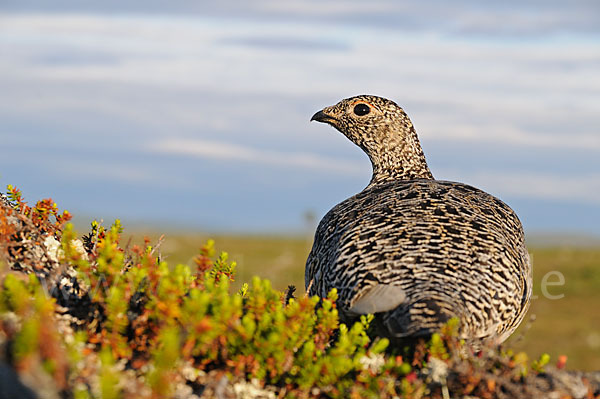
(413, 250)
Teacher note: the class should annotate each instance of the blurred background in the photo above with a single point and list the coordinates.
(191, 118)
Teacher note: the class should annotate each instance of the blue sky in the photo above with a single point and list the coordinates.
(196, 114)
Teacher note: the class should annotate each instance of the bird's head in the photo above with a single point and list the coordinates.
(370, 122)
(383, 130)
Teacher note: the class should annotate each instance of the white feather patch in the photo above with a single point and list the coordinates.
(379, 298)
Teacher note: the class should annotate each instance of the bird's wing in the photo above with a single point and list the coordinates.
(379, 298)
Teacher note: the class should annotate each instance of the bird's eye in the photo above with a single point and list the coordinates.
(362, 109)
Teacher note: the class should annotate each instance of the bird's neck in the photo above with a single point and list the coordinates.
(402, 160)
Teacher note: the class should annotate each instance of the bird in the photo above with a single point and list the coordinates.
(415, 251)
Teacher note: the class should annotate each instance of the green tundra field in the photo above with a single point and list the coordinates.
(564, 318)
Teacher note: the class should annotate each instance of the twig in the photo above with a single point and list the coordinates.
(158, 244)
(308, 288)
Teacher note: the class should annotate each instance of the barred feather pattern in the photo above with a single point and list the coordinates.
(454, 250)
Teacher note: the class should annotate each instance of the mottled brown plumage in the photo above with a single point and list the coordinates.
(414, 250)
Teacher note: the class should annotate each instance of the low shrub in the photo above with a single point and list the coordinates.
(90, 317)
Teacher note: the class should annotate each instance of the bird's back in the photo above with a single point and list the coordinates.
(452, 249)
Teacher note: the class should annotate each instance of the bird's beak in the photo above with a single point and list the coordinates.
(323, 117)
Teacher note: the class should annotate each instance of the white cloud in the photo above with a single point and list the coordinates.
(507, 18)
(514, 136)
(232, 152)
(203, 87)
(584, 188)
(496, 88)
